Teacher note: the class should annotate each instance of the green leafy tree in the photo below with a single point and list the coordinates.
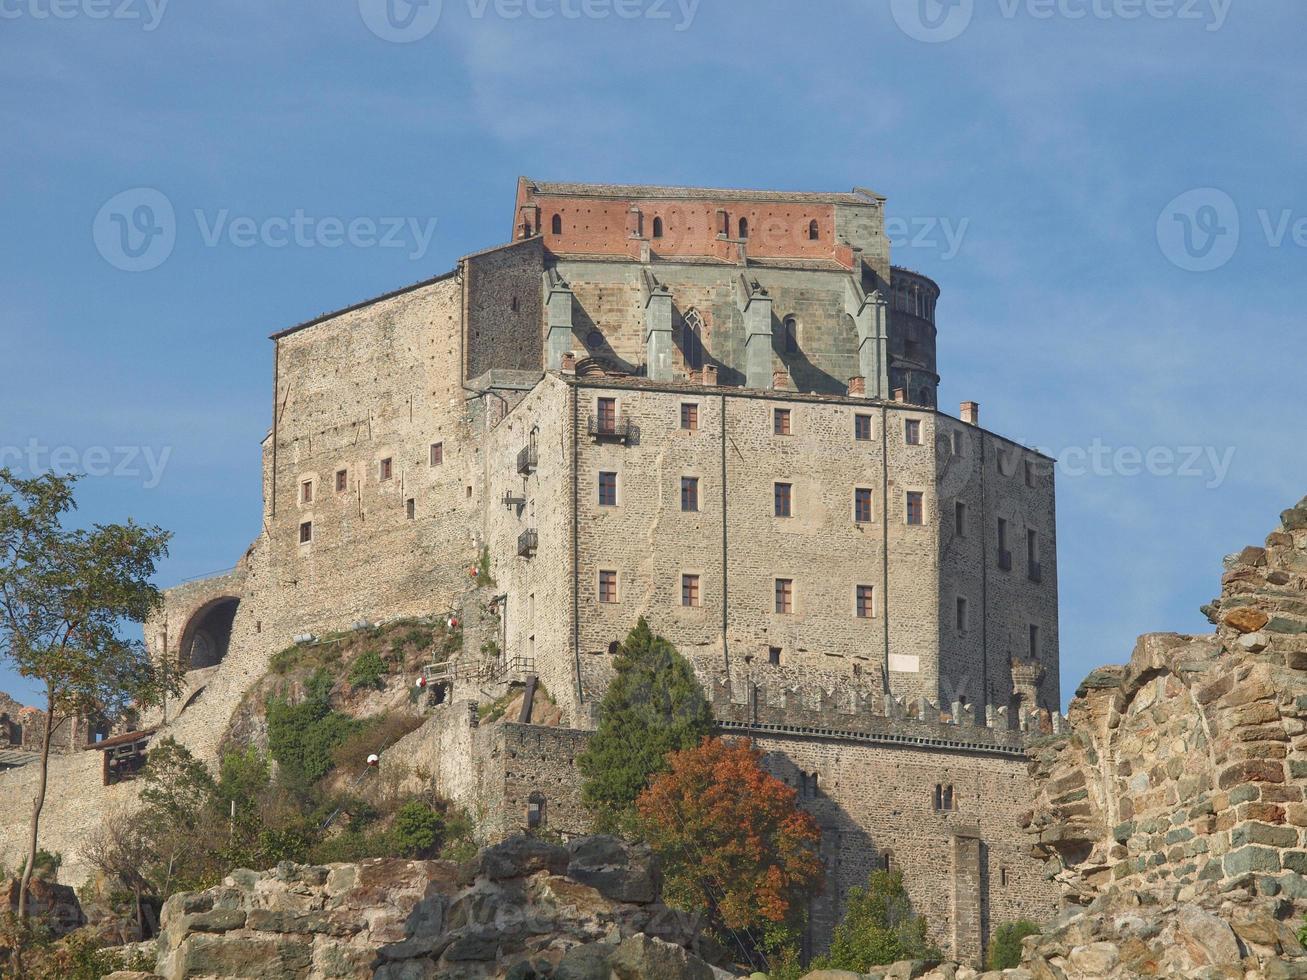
(302, 735)
(653, 706)
(878, 927)
(64, 596)
(417, 830)
(1005, 948)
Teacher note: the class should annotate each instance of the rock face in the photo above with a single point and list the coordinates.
(522, 909)
(1174, 813)
(56, 905)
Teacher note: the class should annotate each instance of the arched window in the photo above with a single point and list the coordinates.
(790, 335)
(556, 225)
(814, 230)
(692, 339)
(658, 228)
(744, 228)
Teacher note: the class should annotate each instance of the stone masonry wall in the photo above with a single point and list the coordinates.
(1182, 777)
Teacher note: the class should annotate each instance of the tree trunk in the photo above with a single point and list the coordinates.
(37, 806)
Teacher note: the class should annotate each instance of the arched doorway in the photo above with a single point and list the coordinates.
(208, 635)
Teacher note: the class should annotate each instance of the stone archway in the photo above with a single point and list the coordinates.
(207, 636)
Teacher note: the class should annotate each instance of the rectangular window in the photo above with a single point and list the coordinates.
(306, 532)
(781, 422)
(962, 614)
(306, 492)
(607, 414)
(785, 595)
(1004, 555)
(689, 493)
(862, 428)
(342, 481)
(916, 510)
(912, 432)
(607, 489)
(960, 519)
(783, 497)
(866, 602)
(689, 590)
(862, 505)
(387, 468)
(957, 443)
(437, 453)
(607, 586)
(689, 416)
(1030, 473)
(1032, 547)
(774, 656)
(1034, 642)
(410, 508)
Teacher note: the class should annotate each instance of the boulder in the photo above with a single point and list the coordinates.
(646, 958)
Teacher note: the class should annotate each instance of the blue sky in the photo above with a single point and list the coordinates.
(1044, 159)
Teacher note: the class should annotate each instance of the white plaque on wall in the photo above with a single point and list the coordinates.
(902, 663)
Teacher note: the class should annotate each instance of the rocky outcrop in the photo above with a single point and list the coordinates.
(522, 909)
(1174, 812)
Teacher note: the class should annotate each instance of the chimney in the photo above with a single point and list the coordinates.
(710, 375)
(857, 386)
(970, 413)
(569, 362)
(900, 394)
(780, 379)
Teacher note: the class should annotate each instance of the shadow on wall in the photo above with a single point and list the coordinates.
(207, 636)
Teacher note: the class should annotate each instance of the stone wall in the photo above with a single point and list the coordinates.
(505, 319)
(1182, 775)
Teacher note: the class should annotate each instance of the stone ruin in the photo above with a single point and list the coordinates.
(1174, 812)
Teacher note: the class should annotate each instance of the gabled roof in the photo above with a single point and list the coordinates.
(646, 191)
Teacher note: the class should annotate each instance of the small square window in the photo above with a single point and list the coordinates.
(607, 586)
(912, 432)
(962, 614)
(689, 416)
(862, 428)
(689, 590)
(437, 453)
(960, 519)
(862, 505)
(916, 510)
(774, 656)
(866, 602)
(306, 492)
(387, 468)
(342, 481)
(785, 595)
(410, 508)
(689, 493)
(781, 422)
(783, 495)
(306, 532)
(607, 489)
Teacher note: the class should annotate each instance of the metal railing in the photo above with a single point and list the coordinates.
(609, 427)
(527, 543)
(528, 459)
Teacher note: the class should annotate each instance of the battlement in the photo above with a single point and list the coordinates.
(844, 712)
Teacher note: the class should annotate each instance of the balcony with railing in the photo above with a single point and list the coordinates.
(528, 460)
(527, 543)
(609, 427)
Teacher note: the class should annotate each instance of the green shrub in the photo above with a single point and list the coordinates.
(878, 927)
(373, 735)
(367, 671)
(484, 578)
(302, 736)
(1005, 947)
(46, 866)
(417, 829)
(284, 661)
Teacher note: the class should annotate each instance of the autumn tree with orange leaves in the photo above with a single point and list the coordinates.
(732, 841)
